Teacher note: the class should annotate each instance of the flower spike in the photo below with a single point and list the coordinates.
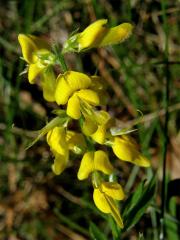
(83, 98)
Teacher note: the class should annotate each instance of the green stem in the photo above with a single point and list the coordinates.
(166, 103)
(131, 178)
(63, 63)
(60, 58)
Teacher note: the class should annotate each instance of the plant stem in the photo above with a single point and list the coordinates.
(166, 103)
(60, 58)
(62, 62)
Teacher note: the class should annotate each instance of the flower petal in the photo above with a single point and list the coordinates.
(86, 166)
(104, 120)
(102, 163)
(60, 163)
(76, 142)
(89, 126)
(48, 84)
(102, 117)
(33, 71)
(56, 139)
(89, 96)
(73, 107)
(142, 161)
(100, 201)
(126, 150)
(63, 90)
(100, 135)
(117, 34)
(113, 190)
(28, 47)
(68, 83)
(77, 80)
(92, 35)
(107, 205)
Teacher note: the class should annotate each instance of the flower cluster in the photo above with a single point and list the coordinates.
(77, 96)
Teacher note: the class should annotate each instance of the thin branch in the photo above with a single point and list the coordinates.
(166, 104)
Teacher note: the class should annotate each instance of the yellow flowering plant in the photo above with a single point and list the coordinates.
(77, 95)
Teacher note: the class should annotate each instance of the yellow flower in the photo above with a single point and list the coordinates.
(104, 122)
(93, 161)
(74, 104)
(72, 88)
(48, 82)
(56, 138)
(98, 34)
(92, 35)
(89, 125)
(60, 142)
(33, 50)
(104, 198)
(96, 124)
(126, 149)
(76, 142)
(60, 162)
(36, 52)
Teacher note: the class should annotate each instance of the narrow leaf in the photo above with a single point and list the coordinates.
(138, 203)
(96, 233)
(40, 133)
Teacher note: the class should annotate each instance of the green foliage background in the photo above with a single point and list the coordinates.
(35, 204)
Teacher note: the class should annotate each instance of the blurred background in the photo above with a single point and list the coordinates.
(35, 204)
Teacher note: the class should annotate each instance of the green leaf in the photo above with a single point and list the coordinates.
(117, 131)
(96, 233)
(57, 121)
(171, 226)
(133, 199)
(116, 231)
(137, 203)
